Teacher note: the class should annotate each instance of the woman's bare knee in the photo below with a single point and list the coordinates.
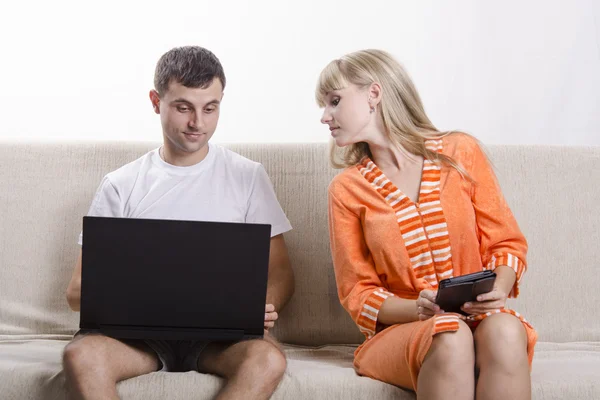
(501, 339)
(453, 350)
(449, 366)
(502, 327)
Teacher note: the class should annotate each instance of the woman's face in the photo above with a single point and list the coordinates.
(348, 114)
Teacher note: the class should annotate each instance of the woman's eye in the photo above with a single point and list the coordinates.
(335, 102)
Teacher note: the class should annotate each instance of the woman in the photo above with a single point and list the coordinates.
(415, 206)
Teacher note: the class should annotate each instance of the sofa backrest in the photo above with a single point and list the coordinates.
(46, 188)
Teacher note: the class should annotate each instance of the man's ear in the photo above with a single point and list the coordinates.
(155, 100)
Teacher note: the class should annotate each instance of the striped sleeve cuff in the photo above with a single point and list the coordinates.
(445, 323)
(367, 320)
(511, 261)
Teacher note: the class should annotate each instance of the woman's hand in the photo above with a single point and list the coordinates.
(426, 307)
(493, 300)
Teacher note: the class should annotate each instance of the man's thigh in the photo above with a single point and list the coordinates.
(124, 359)
(224, 358)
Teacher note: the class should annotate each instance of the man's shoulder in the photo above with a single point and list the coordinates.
(130, 171)
(235, 161)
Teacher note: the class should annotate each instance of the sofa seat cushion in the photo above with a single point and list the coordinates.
(30, 368)
(566, 371)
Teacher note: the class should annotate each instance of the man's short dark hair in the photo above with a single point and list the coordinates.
(191, 66)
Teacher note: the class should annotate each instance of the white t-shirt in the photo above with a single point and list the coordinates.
(224, 187)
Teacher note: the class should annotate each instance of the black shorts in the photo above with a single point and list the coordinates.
(174, 355)
(177, 355)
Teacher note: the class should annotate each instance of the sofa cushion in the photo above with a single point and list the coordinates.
(31, 369)
(566, 371)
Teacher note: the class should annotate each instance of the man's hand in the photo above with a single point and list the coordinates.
(270, 316)
(493, 300)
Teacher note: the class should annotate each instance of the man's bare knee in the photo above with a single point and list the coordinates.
(85, 355)
(265, 362)
(80, 352)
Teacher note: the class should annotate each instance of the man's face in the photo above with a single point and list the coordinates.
(188, 116)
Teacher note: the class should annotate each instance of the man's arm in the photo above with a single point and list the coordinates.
(74, 289)
(280, 286)
(106, 203)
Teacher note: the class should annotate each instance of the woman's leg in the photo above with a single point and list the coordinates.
(410, 356)
(448, 371)
(501, 357)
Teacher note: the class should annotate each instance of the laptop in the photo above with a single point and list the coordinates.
(174, 280)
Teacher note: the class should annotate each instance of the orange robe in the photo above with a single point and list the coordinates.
(383, 244)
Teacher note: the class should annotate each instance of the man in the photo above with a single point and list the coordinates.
(187, 178)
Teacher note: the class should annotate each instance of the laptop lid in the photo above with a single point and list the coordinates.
(169, 279)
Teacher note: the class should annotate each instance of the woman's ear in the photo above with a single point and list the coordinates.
(374, 94)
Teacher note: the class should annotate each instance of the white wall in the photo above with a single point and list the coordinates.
(508, 72)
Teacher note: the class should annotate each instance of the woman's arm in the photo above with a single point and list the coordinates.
(503, 247)
(398, 311)
(360, 290)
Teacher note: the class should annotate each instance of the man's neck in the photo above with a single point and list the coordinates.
(182, 159)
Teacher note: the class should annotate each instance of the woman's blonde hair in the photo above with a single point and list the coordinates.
(401, 109)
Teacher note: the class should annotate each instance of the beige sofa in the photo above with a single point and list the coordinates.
(45, 189)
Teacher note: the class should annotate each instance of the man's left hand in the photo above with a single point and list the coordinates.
(270, 316)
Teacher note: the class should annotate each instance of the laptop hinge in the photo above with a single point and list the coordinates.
(171, 333)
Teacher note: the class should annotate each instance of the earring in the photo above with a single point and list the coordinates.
(372, 110)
